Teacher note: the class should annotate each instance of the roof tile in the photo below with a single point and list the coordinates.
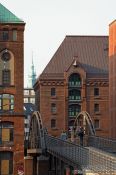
(90, 51)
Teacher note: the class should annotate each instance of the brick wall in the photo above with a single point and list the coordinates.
(112, 78)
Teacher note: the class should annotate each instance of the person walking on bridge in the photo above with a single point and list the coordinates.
(81, 135)
(63, 135)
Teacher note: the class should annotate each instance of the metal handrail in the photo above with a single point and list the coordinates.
(88, 158)
(104, 144)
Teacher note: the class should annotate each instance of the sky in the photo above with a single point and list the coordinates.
(49, 21)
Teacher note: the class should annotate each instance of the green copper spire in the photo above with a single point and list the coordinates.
(8, 17)
(32, 75)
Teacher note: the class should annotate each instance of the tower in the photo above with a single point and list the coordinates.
(32, 75)
(112, 78)
(11, 92)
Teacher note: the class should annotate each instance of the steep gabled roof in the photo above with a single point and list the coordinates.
(8, 17)
(90, 51)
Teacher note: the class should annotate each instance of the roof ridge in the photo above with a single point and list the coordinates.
(87, 36)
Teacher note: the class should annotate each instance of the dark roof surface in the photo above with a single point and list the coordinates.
(29, 108)
(8, 17)
(90, 51)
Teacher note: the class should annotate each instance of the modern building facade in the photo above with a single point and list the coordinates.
(112, 78)
(75, 79)
(29, 95)
(11, 92)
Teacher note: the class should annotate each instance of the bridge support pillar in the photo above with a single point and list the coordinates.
(67, 171)
(42, 165)
(28, 165)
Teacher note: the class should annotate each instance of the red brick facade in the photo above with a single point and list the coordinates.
(15, 88)
(63, 116)
(112, 78)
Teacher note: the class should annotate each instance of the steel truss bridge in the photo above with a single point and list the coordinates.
(97, 156)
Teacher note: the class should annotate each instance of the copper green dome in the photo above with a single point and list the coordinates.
(8, 17)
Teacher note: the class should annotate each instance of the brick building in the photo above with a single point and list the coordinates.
(11, 92)
(112, 78)
(75, 79)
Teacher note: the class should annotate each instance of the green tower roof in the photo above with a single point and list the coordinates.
(8, 17)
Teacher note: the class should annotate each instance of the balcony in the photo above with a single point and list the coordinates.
(72, 114)
(75, 99)
(74, 84)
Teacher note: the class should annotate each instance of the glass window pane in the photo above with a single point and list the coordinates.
(53, 123)
(6, 163)
(5, 35)
(96, 91)
(32, 92)
(5, 167)
(26, 92)
(6, 104)
(6, 77)
(14, 35)
(5, 134)
(53, 91)
(25, 100)
(32, 100)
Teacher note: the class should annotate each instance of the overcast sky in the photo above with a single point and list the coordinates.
(49, 21)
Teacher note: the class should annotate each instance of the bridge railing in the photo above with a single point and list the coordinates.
(75, 154)
(88, 158)
(104, 144)
(100, 162)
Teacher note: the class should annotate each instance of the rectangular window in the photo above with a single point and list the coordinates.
(6, 104)
(96, 124)
(6, 163)
(96, 91)
(53, 108)
(32, 92)
(5, 35)
(53, 123)
(32, 100)
(26, 100)
(53, 91)
(6, 133)
(14, 35)
(26, 92)
(96, 107)
(5, 167)
(6, 77)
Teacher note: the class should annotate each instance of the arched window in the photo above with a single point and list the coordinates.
(6, 102)
(6, 68)
(74, 80)
(6, 162)
(6, 132)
